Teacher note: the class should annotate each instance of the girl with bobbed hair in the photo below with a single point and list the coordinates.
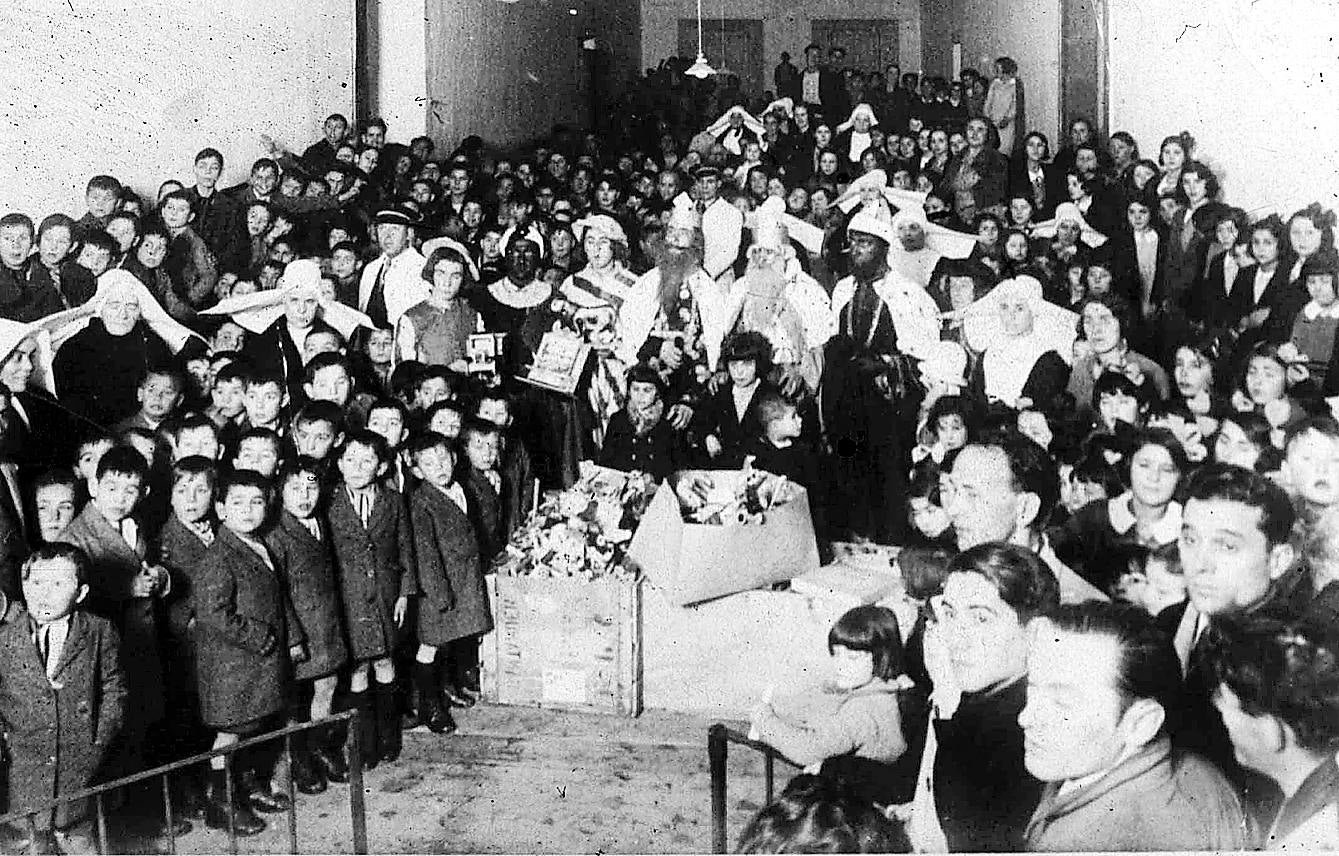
(1310, 233)
(1173, 154)
(1275, 682)
(976, 656)
(435, 331)
(1146, 514)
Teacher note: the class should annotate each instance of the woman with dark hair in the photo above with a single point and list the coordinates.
(1035, 177)
(816, 814)
(1146, 514)
(1173, 154)
(1183, 252)
(1231, 242)
(436, 330)
(1244, 440)
(976, 655)
(1105, 323)
(1310, 232)
(1259, 297)
(1275, 683)
(935, 163)
(1193, 367)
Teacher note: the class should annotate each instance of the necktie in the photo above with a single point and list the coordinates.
(364, 508)
(376, 301)
(44, 646)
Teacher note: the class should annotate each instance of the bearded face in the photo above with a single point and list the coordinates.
(677, 256)
(869, 256)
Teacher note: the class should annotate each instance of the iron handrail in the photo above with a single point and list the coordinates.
(357, 797)
(719, 738)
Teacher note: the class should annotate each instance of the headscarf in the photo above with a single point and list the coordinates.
(600, 224)
(14, 333)
(919, 265)
(860, 110)
(1069, 211)
(878, 178)
(257, 312)
(785, 105)
(718, 127)
(773, 208)
(1009, 359)
(117, 282)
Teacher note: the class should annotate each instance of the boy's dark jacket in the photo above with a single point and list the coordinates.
(454, 601)
(309, 572)
(58, 738)
(375, 566)
(244, 625)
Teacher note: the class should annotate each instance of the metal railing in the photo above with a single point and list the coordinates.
(357, 805)
(719, 738)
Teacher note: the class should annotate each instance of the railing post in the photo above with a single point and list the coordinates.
(357, 798)
(232, 803)
(769, 767)
(101, 810)
(292, 796)
(716, 756)
(167, 810)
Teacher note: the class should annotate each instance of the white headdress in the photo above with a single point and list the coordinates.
(1069, 211)
(123, 284)
(860, 110)
(257, 311)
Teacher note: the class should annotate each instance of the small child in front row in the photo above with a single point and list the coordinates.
(779, 449)
(300, 544)
(62, 693)
(183, 543)
(453, 610)
(244, 641)
(859, 715)
(374, 560)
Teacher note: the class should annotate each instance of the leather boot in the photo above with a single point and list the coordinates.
(327, 752)
(245, 821)
(430, 710)
(306, 775)
(387, 722)
(364, 703)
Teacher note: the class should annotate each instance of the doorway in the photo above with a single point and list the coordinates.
(871, 45)
(733, 45)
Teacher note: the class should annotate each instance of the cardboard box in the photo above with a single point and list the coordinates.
(564, 643)
(693, 562)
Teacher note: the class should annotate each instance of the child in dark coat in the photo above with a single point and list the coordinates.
(300, 543)
(453, 610)
(482, 482)
(183, 543)
(374, 558)
(728, 418)
(778, 449)
(245, 637)
(125, 588)
(639, 437)
(62, 693)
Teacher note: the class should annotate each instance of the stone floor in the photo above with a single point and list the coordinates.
(517, 780)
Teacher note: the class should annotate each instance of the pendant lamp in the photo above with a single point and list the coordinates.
(700, 69)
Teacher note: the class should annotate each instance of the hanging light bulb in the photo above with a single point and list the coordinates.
(700, 69)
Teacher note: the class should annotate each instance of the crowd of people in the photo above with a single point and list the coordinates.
(261, 444)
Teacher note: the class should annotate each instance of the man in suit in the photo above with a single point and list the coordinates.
(822, 89)
(1229, 505)
(393, 282)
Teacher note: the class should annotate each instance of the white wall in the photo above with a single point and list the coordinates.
(1030, 34)
(135, 88)
(786, 25)
(1254, 81)
(402, 71)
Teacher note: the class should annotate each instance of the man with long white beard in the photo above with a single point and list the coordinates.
(884, 324)
(776, 298)
(675, 316)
